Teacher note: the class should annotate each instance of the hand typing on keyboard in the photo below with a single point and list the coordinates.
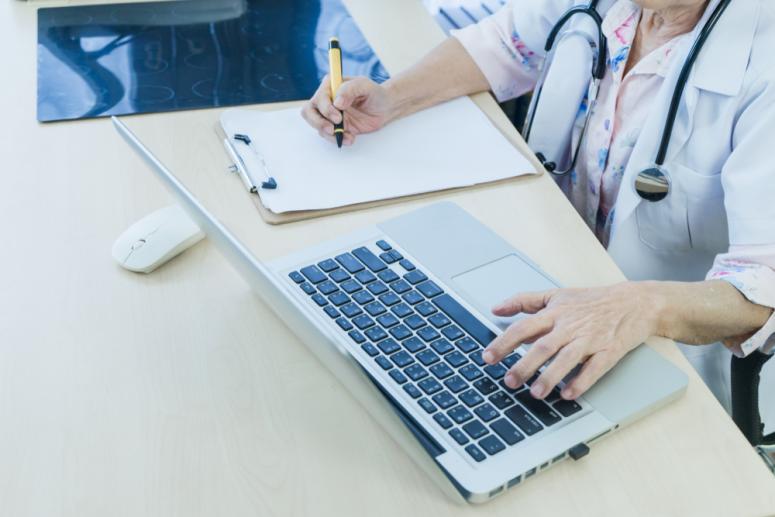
(595, 326)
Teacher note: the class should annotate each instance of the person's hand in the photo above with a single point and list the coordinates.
(595, 326)
(366, 106)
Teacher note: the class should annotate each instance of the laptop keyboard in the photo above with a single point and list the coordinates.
(429, 345)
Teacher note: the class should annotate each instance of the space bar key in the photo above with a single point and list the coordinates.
(464, 319)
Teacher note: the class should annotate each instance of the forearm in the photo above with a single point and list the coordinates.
(703, 312)
(445, 73)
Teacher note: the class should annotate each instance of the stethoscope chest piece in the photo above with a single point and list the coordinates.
(653, 184)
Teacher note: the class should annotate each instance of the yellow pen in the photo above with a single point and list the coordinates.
(335, 73)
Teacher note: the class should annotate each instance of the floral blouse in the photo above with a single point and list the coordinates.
(512, 69)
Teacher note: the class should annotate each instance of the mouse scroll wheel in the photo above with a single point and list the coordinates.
(138, 244)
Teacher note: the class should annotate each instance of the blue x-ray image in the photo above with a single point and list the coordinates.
(120, 59)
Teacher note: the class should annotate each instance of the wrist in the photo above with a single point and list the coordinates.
(659, 315)
(396, 100)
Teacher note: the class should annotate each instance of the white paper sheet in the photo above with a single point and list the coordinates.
(450, 145)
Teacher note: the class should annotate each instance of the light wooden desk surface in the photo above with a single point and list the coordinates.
(179, 393)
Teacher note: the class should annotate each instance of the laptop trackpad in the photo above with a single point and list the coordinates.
(490, 284)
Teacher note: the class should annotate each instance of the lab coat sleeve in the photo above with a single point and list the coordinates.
(508, 46)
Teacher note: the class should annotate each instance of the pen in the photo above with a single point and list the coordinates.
(335, 73)
(238, 167)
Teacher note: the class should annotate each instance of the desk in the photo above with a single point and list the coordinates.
(179, 393)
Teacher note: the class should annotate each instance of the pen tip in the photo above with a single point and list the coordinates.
(339, 139)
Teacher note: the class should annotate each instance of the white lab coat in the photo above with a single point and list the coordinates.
(720, 160)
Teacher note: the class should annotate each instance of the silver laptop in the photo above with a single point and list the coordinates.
(400, 314)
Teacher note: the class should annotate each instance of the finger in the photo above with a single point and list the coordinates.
(518, 332)
(525, 302)
(326, 136)
(595, 367)
(313, 118)
(351, 90)
(322, 102)
(349, 139)
(541, 351)
(563, 363)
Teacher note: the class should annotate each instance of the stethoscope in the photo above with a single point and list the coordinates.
(652, 183)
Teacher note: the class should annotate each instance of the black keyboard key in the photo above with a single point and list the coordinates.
(402, 310)
(327, 287)
(370, 259)
(389, 346)
(388, 276)
(567, 407)
(413, 344)
(507, 432)
(534, 378)
(442, 346)
(344, 324)
(491, 445)
(476, 453)
(407, 265)
(339, 298)
(442, 420)
(466, 345)
(387, 258)
(400, 286)
(475, 429)
(464, 319)
(501, 400)
(308, 288)
(426, 309)
(415, 277)
(365, 277)
(328, 265)
(363, 322)
(485, 386)
(486, 412)
(356, 336)
(375, 309)
(438, 320)
(396, 255)
(349, 263)
(427, 357)
(539, 408)
(452, 333)
(456, 359)
(313, 274)
(429, 289)
(476, 357)
(363, 297)
(350, 310)
(456, 384)
(470, 372)
(412, 297)
(470, 398)
(459, 436)
(383, 245)
(429, 386)
(441, 370)
(412, 390)
(460, 414)
(508, 390)
(296, 277)
(511, 360)
(400, 332)
(383, 362)
(553, 396)
(376, 334)
(427, 405)
(370, 349)
(414, 321)
(339, 275)
(428, 334)
(397, 376)
(332, 313)
(320, 300)
(496, 371)
(389, 299)
(402, 358)
(388, 320)
(524, 420)
(377, 288)
(444, 399)
(416, 372)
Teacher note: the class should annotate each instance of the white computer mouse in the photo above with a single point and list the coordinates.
(155, 239)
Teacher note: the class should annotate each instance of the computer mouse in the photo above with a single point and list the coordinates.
(156, 239)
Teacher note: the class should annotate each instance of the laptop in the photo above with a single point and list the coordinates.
(399, 312)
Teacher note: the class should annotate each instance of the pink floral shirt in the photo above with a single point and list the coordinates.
(614, 127)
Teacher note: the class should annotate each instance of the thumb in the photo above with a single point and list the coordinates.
(350, 90)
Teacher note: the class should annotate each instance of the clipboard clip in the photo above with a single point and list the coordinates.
(269, 183)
